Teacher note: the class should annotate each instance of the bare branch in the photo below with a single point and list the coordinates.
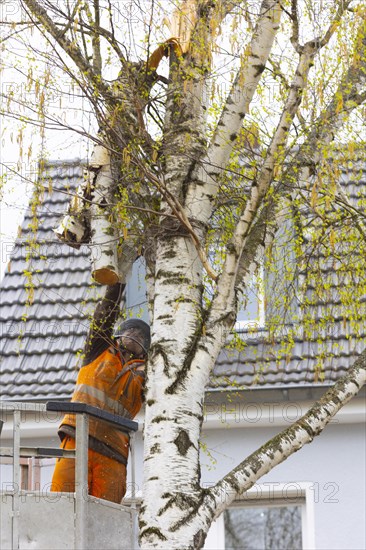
(39, 15)
(295, 27)
(342, 7)
(71, 17)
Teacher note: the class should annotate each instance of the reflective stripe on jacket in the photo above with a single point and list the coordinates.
(107, 384)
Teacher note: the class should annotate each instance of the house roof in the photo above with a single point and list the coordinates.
(40, 341)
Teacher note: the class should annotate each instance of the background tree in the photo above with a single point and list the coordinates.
(219, 122)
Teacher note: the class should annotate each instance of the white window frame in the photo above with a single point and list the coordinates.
(297, 493)
(139, 309)
(30, 472)
(134, 308)
(258, 323)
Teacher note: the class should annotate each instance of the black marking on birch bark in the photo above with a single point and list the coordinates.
(195, 415)
(232, 249)
(155, 449)
(109, 231)
(183, 501)
(150, 402)
(183, 442)
(171, 227)
(190, 502)
(189, 352)
(187, 179)
(159, 350)
(233, 137)
(199, 539)
(153, 478)
(161, 418)
(260, 68)
(152, 531)
(231, 480)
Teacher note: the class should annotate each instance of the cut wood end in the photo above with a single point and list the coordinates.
(105, 276)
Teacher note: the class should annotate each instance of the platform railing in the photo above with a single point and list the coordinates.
(80, 454)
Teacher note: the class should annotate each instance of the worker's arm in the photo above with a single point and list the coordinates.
(132, 394)
(104, 318)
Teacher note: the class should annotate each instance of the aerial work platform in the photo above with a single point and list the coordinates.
(44, 520)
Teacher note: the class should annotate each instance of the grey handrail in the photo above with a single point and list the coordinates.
(73, 407)
(82, 411)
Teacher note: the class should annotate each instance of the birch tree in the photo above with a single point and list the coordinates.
(218, 121)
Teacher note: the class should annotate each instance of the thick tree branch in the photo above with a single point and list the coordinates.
(230, 275)
(97, 61)
(295, 26)
(290, 440)
(243, 88)
(225, 288)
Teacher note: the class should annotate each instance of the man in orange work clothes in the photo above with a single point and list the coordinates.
(111, 378)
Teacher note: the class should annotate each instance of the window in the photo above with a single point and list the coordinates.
(30, 473)
(251, 307)
(136, 298)
(270, 516)
(263, 528)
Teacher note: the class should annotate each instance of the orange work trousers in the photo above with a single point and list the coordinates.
(106, 477)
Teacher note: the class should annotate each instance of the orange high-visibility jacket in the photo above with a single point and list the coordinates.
(107, 384)
(103, 381)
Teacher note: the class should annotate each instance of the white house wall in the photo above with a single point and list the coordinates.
(333, 464)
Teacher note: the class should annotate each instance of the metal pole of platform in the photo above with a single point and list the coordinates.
(81, 480)
(16, 480)
(133, 491)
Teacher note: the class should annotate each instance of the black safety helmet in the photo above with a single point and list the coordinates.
(142, 330)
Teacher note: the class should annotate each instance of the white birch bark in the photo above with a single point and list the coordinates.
(196, 509)
(173, 408)
(226, 286)
(103, 235)
(236, 107)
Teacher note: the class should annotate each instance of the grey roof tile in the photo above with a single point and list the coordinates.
(42, 363)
